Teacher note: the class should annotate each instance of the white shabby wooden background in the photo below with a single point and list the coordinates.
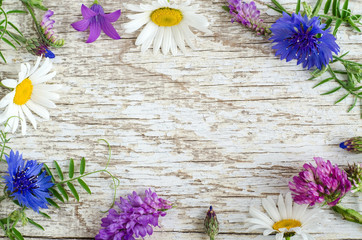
(225, 125)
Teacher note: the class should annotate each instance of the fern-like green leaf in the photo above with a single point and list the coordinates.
(17, 234)
(51, 202)
(342, 98)
(327, 6)
(49, 172)
(332, 91)
(323, 82)
(31, 221)
(44, 215)
(73, 190)
(353, 104)
(63, 192)
(82, 166)
(56, 194)
(85, 186)
(59, 170)
(71, 168)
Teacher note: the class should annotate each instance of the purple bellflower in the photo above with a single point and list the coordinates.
(96, 20)
(323, 183)
(303, 39)
(136, 218)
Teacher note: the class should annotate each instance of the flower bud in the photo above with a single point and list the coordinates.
(352, 145)
(211, 224)
(354, 174)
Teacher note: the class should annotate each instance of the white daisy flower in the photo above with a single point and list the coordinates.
(30, 94)
(284, 218)
(167, 25)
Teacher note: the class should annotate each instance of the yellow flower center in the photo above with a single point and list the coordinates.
(166, 17)
(23, 92)
(286, 223)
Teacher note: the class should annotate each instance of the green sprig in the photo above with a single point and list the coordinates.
(60, 185)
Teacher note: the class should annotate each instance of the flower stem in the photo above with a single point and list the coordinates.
(348, 214)
(287, 238)
(212, 238)
(95, 2)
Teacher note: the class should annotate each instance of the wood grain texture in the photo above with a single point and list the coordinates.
(225, 125)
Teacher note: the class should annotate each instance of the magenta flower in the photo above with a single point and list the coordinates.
(96, 20)
(136, 218)
(248, 15)
(324, 183)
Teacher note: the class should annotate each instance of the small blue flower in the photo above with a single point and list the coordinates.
(297, 37)
(26, 183)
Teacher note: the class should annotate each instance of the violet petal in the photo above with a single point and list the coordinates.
(108, 28)
(94, 31)
(112, 17)
(87, 13)
(81, 25)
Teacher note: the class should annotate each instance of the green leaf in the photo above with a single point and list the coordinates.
(51, 202)
(344, 9)
(332, 91)
(334, 7)
(278, 5)
(297, 10)
(35, 224)
(17, 234)
(275, 9)
(352, 24)
(323, 82)
(49, 172)
(8, 42)
(338, 7)
(82, 166)
(62, 190)
(353, 105)
(342, 98)
(317, 7)
(2, 56)
(338, 23)
(10, 35)
(16, 11)
(44, 214)
(73, 190)
(56, 194)
(327, 6)
(16, 29)
(226, 8)
(59, 170)
(71, 168)
(328, 23)
(84, 185)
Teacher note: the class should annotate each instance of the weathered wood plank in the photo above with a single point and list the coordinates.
(224, 125)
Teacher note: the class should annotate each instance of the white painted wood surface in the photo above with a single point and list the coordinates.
(225, 125)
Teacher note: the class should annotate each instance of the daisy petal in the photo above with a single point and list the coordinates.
(23, 121)
(10, 83)
(158, 39)
(29, 115)
(166, 42)
(41, 111)
(8, 99)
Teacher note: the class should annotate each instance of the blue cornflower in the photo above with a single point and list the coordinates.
(26, 183)
(297, 37)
